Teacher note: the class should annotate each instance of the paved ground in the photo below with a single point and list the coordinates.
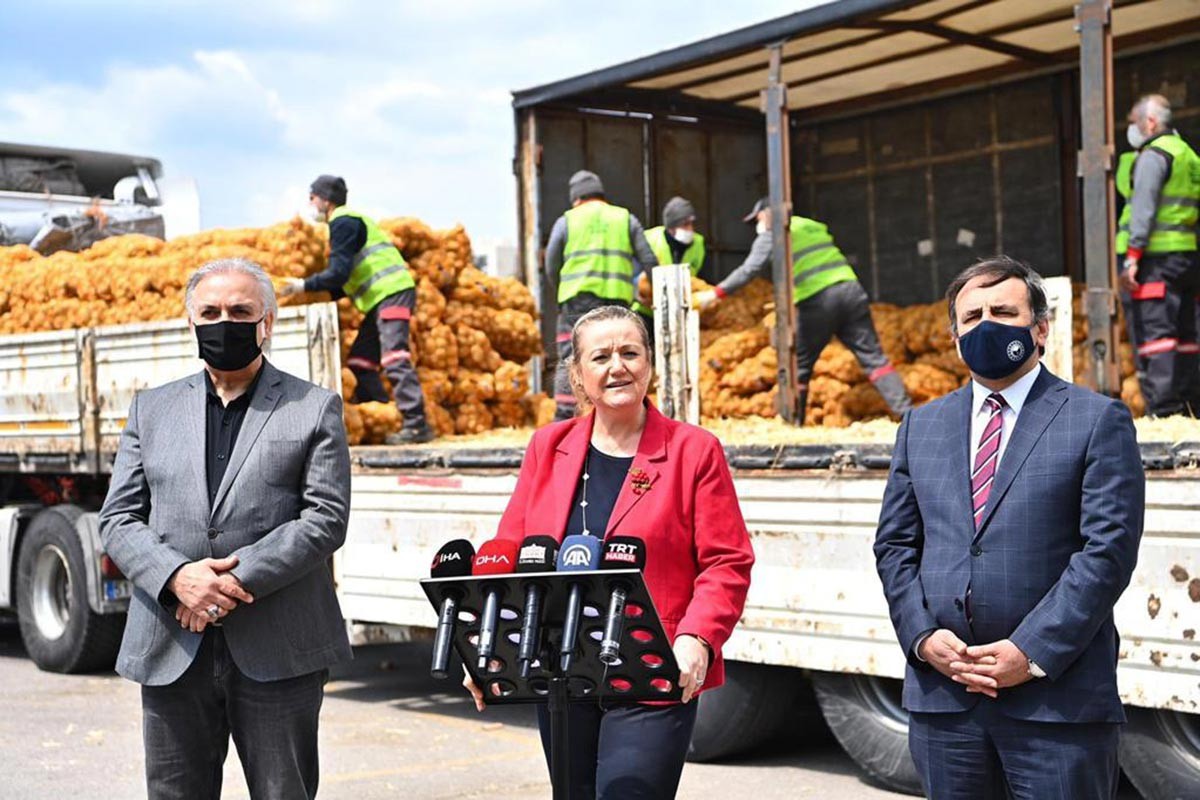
(388, 731)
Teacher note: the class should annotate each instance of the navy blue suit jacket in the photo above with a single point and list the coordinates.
(1056, 548)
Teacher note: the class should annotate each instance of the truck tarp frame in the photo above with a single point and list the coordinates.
(856, 53)
(848, 56)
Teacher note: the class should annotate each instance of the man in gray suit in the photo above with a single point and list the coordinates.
(230, 491)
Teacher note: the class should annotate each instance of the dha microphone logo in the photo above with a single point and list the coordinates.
(617, 551)
(490, 558)
(532, 554)
(577, 555)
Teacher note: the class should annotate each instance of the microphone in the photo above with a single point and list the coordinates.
(579, 553)
(620, 552)
(537, 554)
(495, 557)
(452, 561)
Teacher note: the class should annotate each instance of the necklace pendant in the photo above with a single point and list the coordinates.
(586, 532)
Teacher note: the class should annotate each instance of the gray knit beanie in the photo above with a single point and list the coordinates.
(331, 188)
(677, 212)
(583, 184)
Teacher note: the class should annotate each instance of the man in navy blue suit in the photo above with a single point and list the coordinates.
(1010, 526)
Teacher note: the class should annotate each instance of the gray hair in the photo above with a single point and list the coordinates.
(998, 269)
(266, 289)
(1153, 105)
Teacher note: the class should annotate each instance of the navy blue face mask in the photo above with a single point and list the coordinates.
(994, 350)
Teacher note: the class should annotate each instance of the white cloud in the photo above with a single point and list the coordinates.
(416, 117)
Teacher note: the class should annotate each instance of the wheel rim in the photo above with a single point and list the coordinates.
(883, 695)
(1182, 732)
(51, 592)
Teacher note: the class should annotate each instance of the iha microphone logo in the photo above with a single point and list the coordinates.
(533, 553)
(577, 555)
(442, 558)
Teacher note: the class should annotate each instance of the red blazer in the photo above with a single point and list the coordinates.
(698, 554)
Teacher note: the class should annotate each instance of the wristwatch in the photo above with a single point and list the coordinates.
(1035, 670)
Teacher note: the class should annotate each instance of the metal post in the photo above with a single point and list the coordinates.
(1094, 24)
(780, 185)
(527, 165)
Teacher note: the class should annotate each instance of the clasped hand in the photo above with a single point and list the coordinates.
(982, 669)
(202, 585)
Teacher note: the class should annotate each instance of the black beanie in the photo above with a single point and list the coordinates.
(331, 188)
(585, 184)
(677, 212)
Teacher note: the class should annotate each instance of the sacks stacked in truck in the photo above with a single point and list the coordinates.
(471, 335)
(136, 278)
(738, 365)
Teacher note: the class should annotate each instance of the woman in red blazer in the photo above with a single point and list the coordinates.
(667, 483)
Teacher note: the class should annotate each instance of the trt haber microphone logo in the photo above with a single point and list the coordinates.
(577, 555)
(533, 553)
(618, 551)
(491, 558)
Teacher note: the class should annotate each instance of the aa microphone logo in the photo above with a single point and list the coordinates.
(577, 555)
(532, 554)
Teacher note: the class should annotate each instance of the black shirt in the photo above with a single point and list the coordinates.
(224, 422)
(606, 474)
(347, 235)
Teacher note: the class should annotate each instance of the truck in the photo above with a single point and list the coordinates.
(814, 646)
(924, 133)
(58, 198)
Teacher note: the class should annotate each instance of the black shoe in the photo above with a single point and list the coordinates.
(416, 435)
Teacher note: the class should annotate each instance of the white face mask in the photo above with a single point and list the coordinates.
(762, 227)
(683, 235)
(1136, 137)
(312, 214)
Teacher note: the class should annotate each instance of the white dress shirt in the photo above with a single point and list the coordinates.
(1014, 396)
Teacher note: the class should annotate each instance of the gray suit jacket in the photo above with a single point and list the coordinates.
(281, 509)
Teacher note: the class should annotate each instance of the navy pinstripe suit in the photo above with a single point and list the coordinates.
(1056, 547)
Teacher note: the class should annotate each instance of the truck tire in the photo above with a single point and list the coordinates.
(60, 631)
(757, 703)
(865, 715)
(1160, 753)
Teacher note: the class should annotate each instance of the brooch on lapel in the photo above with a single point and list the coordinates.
(639, 481)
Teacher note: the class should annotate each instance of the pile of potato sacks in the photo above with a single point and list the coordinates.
(738, 365)
(472, 332)
(472, 335)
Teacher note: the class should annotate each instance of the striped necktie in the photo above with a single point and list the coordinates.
(987, 457)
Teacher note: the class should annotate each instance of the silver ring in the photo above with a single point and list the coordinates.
(213, 611)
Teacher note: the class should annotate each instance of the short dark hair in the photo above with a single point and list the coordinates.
(998, 269)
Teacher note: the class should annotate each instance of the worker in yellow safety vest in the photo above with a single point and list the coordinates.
(829, 301)
(1161, 272)
(365, 266)
(673, 242)
(594, 256)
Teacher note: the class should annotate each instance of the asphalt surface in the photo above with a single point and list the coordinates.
(387, 731)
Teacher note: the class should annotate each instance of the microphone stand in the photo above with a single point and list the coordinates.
(648, 670)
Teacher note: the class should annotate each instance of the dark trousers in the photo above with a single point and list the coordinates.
(186, 727)
(1164, 329)
(627, 752)
(983, 755)
(382, 341)
(843, 310)
(568, 314)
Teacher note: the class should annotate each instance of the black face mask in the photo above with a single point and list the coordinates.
(227, 345)
(995, 350)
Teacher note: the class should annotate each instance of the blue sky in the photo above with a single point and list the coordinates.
(409, 101)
